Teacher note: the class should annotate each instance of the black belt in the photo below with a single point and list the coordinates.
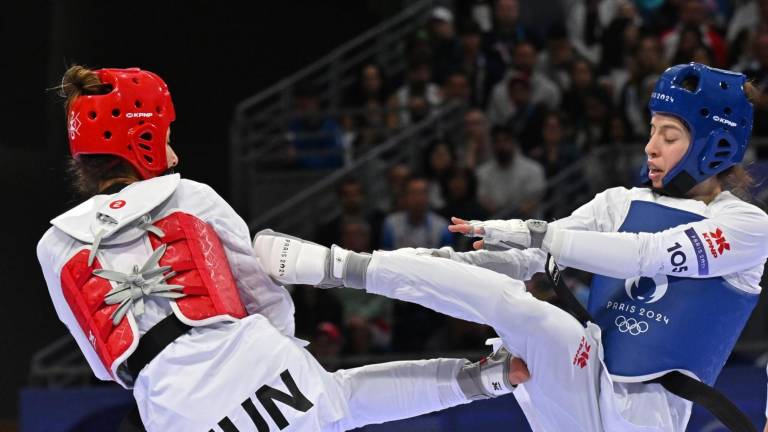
(154, 341)
(674, 382)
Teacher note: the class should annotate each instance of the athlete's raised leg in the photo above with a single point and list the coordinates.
(557, 349)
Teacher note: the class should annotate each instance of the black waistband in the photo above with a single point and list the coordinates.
(674, 382)
(154, 341)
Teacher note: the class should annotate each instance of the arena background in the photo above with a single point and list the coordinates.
(215, 55)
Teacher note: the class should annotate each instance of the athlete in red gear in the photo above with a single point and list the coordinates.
(155, 278)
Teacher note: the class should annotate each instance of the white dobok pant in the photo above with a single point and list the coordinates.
(568, 389)
(232, 377)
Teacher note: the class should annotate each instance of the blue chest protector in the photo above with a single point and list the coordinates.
(653, 325)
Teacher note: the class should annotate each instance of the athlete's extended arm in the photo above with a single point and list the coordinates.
(730, 242)
(734, 240)
(522, 263)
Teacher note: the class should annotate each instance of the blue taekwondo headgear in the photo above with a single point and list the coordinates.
(716, 112)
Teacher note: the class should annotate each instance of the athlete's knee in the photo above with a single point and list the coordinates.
(516, 305)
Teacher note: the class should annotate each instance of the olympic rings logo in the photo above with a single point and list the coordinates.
(631, 325)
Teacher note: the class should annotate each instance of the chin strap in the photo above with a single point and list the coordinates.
(677, 187)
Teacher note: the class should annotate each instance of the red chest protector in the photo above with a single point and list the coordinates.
(194, 252)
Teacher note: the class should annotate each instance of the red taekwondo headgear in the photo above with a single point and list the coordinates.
(130, 122)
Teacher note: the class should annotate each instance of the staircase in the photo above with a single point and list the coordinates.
(259, 123)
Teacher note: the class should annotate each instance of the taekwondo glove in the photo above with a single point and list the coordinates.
(508, 234)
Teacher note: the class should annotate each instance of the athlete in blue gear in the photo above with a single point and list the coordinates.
(677, 268)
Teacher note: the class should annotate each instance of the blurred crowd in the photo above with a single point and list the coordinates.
(534, 101)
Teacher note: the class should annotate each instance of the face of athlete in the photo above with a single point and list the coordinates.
(666, 146)
(171, 156)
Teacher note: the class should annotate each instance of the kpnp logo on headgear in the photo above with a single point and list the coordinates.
(138, 114)
(724, 121)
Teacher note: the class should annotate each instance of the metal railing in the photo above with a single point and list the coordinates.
(265, 113)
(60, 364)
(300, 213)
(599, 169)
(274, 145)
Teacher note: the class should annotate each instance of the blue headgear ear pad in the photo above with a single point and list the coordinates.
(713, 106)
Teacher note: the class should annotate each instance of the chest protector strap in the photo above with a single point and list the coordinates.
(674, 382)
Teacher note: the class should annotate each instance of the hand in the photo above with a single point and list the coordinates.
(463, 227)
(502, 234)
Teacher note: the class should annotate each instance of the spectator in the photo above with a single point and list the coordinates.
(757, 72)
(506, 34)
(351, 196)
(391, 199)
(416, 225)
(510, 181)
(439, 159)
(690, 41)
(444, 45)
(356, 235)
(370, 88)
(619, 131)
(460, 192)
(620, 40)
(456, 89)
(555, 62)
(525, 118)
(587, 20)
(555, 152)
(326, 344)
(661, 17)
(582, 78)
(315, 138)
(749, 19)
(474, 63)
(703, 55)
(313, 307)
(458, 335)
(693, 13)
(367, 317)
(475, 146)
(592, 130)
(543, 91)
(367, 99)
(416, 98)
(645, 68)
